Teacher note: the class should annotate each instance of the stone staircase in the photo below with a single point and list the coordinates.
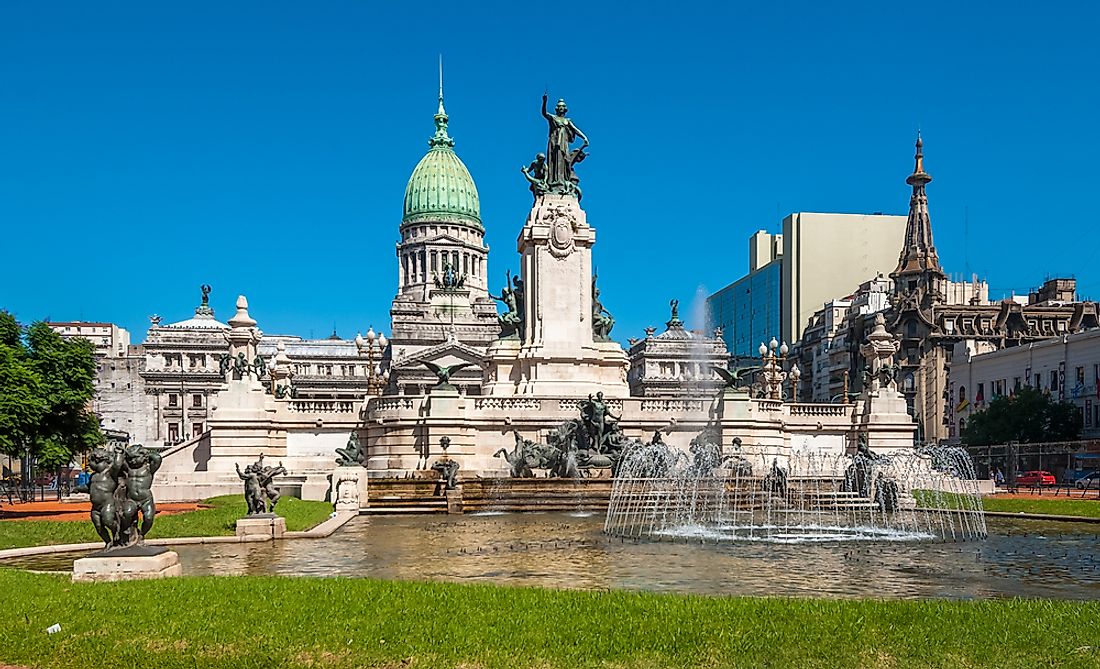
(394, 496)
(538, 494)
(404, 496)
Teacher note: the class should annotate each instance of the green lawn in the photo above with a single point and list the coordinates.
(269, 622)
(215, 521)
(1064, 506)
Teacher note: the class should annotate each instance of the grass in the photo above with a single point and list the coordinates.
(1053, 506)
(1062, 506)
(268, 622)
(214, 521)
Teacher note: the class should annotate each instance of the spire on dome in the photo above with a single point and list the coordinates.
(441, 139)
(918, 255)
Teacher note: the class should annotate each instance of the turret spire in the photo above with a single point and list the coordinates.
(918, 255)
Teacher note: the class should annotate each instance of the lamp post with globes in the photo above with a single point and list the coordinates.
(373, 346)
(795, 375)
(772, 356)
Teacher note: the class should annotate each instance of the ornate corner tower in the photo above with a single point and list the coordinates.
(918, 278)
(442, 263)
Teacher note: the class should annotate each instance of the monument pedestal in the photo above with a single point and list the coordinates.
(127, 564)
(556, 353)
(266, 525)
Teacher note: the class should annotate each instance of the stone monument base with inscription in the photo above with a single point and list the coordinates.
(127, 564)
(349, 488)
(265, 525)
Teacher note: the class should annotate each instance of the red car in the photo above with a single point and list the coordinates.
(1036, 477)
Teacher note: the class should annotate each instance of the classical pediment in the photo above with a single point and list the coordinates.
(448, 353)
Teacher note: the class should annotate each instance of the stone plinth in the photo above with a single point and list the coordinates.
(127, 564)
(266, 525)
(454, 500)
(886, 421)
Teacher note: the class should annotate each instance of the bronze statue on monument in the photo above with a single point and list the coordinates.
(553, 172)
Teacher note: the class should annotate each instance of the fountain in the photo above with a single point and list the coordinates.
(807, 496)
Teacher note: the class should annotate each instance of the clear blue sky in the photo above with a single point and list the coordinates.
(263, 147)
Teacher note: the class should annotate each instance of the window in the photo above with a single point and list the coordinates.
(911, 329)
(962, 394)
(196, 400)
(173, 432)
(173, 399)
(1053, 379)
(1080, 376)
(1038, 381)
(1016, 383)
(196, 429)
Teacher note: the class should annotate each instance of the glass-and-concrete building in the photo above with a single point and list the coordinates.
(816, 258)
(748, 310)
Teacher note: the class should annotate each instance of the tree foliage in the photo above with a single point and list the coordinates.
(46, 387)
(1027, 416)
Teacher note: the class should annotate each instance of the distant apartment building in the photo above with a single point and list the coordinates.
(109, 339)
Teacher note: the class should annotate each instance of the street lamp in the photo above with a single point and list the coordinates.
(772, 356)
(372, 346)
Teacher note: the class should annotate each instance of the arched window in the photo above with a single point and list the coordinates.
(962, 393)
(907, 383)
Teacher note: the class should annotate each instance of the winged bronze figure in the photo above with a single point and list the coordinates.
(734, 377)
(444, 373)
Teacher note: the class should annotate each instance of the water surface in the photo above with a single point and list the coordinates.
(1020, 558)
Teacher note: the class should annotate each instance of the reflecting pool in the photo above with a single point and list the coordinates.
(1020, 558)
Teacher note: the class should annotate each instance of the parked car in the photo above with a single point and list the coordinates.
(1089, 480)
(1036, 477)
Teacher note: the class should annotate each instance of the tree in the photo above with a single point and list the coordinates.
(1027, 416)
(46, 386)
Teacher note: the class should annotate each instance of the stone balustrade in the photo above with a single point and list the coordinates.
(670, 406)
(384, 404)
(571, 405)
(819, 410)
(507, 404)
(769, 406)
(323, 406)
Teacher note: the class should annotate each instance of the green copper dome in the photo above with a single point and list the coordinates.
(441, 188)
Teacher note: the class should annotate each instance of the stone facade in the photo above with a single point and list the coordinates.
(161, 392)
(676, 363)
(1065, 367)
